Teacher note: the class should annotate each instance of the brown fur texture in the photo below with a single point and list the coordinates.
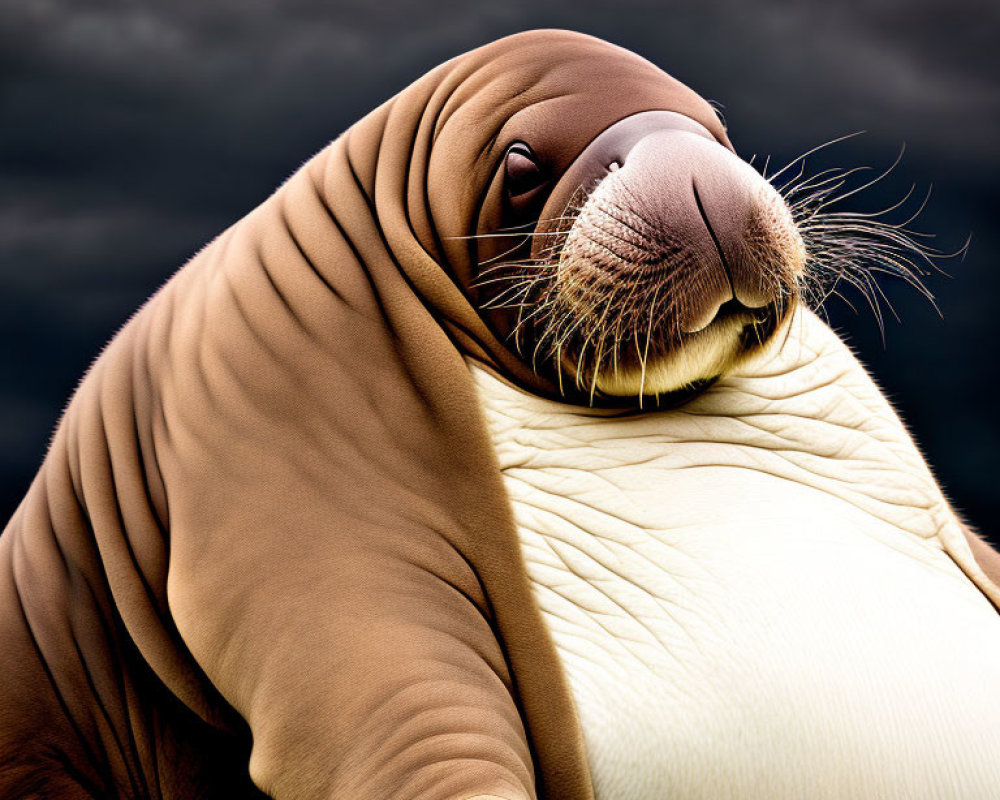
(270, 514)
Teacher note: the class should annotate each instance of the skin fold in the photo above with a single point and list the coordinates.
(270, 551)
(756, 594)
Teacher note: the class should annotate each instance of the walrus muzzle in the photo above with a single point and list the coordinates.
(664, 259)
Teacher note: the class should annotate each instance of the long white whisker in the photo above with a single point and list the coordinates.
(815, 149)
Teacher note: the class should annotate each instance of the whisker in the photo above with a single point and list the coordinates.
(853, 248)
(501, 235)
(589, 324)
(867, 185)
(815, 149)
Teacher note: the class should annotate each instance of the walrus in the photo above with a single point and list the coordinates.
(496, 455)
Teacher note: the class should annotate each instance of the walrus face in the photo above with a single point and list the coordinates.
(656, 262)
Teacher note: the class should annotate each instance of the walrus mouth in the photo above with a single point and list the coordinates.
(668, 369)
(622, 337)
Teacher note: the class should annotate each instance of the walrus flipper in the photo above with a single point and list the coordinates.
(313, 482)
(363, 674)
(99, 698)
(237, 516)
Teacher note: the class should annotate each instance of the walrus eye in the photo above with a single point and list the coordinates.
(524, 174)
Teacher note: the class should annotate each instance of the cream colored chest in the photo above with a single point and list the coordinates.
(752, 608)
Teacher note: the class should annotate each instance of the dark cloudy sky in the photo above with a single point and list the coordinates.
(133, 132)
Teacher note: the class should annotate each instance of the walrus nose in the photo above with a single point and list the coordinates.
(714, 208)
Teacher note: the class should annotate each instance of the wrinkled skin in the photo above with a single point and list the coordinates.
(756, 590)
(270, 550)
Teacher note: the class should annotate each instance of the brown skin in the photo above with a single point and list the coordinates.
(271, 513)
(986, 556)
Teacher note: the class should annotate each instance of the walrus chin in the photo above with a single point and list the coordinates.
(678, 263)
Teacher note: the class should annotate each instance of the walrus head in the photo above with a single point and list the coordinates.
(661, 259)
(586, 228)
(649, 261)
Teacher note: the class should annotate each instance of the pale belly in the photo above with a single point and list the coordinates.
(761, 613)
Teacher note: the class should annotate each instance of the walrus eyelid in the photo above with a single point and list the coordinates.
(523, 173)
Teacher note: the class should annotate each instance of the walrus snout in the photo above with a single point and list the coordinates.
(678, 240)
(685, 213)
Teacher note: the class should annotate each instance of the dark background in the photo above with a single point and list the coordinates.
(132, 133)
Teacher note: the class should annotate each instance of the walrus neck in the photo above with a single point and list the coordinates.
(803, 403)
